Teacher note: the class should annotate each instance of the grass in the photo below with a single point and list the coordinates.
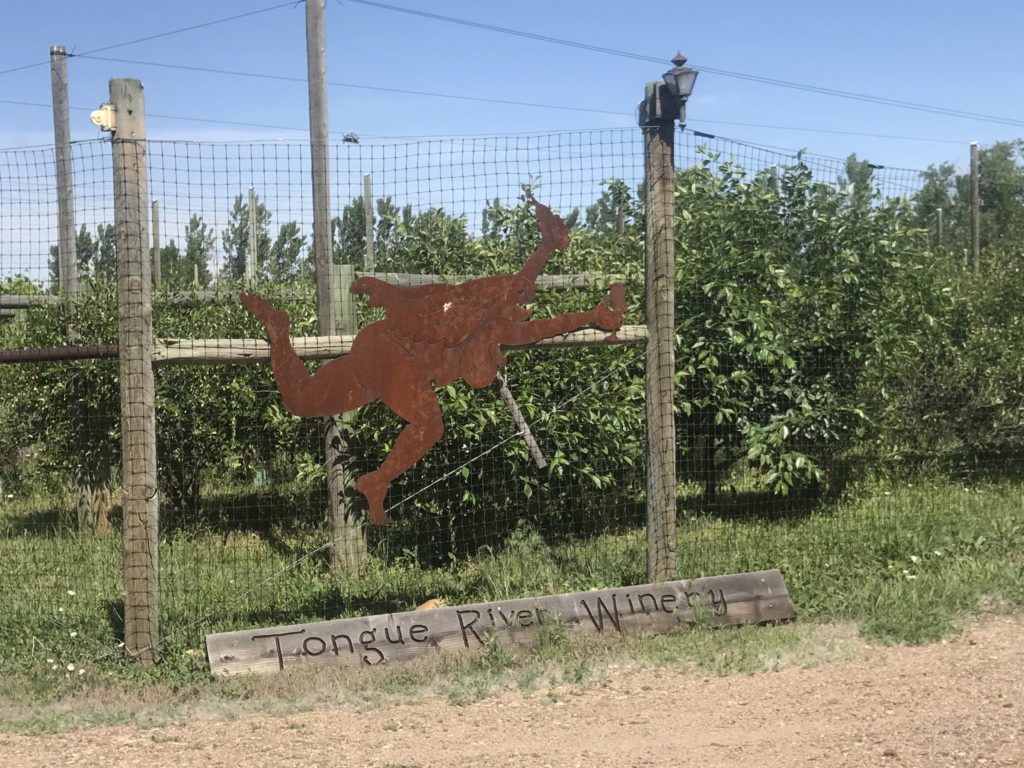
(901, 563)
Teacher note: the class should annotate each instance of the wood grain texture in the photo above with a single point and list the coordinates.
(745, 598)
(659, 381)
(138, 400)
(213, 295)
(325, 347)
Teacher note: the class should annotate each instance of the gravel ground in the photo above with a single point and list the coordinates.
(959, 703)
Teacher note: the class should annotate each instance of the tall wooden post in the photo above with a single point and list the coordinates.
(658, 123)
(348, 507)
(92, 475)
(67, 264)
(157, 269)
(938, 227)
(254, 241)
(369, 261)
(975, 207)
(316, 66)
(348, 545)
(135, 340)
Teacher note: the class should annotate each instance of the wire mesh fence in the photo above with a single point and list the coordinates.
(796, 371)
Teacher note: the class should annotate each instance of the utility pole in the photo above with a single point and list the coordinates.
(975, 207)
(92, 475)
(346, 513)
(67, 260)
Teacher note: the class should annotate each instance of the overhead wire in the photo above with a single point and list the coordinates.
(159, 35)
(304, 129)
(821, 90)
(337, 84)
(186, 118)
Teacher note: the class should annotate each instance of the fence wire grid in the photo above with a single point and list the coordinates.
(772, 408)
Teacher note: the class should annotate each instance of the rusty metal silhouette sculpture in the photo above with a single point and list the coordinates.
(431, 335)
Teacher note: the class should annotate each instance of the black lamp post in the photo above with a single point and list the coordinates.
(666, 101)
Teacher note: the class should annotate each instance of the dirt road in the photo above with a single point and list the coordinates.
(949, 704)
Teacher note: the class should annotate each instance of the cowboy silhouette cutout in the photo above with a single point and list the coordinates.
(431, 336)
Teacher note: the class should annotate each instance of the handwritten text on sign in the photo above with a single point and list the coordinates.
(371, 640)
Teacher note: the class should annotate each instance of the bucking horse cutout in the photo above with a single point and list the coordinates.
(431, 335)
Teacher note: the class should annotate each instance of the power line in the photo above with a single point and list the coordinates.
(159, 35)
(821, 90)
(830, 131)
(336, 84)
(793, 128)
(175, 117)
(191, 27)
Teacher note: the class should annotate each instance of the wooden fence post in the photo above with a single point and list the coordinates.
(348, 507)
(975, 207)
(92, 475)
(348, 543)
(135, 341)
(157, 269)
(369, 260)
(67, 261)
(251, 266)
(659, 278)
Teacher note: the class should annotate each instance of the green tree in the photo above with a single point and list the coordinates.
(180, 268)
(614, 210)
(1001, 191)
(96, 255)
(286, 262)
(781, 292)
(235, 239)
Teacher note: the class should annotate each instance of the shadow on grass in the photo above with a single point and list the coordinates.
(49, 520)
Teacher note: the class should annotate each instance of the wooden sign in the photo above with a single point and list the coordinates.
(367, 641)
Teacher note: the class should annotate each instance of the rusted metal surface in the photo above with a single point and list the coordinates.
(431, 335)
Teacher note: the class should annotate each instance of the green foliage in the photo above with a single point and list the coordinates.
(1001, 197)
(815, 328)
(780, 281)
(179, 269)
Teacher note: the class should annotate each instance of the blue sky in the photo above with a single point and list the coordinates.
(938, 53)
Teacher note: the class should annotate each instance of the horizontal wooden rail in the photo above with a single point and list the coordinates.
(258, 350)
(9, 301)
(57, 354)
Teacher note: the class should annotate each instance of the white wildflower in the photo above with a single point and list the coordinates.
(71, 667)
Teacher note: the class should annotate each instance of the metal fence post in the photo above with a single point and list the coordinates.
(135, 340)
